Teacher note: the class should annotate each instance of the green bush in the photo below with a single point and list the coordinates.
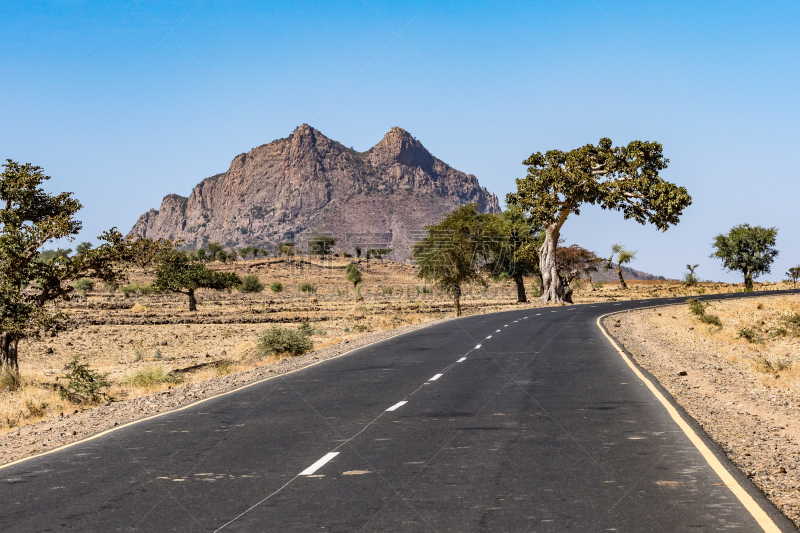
(127, 290)
(144, 290)
(110, 287)
(276, 286)
(598, 285)
(424, 290)
(308, 288)
(250, 284)
(84, 385)
(697, 308)
(792, 321)
(148, 377)
(280, 340)
(750, 335)
(84, 285)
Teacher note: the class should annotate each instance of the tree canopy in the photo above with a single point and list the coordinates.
(29, 279)
(746, 249)
(573, 261)
(794, 275)
(621, 256)
(448, 256)
(622, 178)
(321, 245)
(178, 273)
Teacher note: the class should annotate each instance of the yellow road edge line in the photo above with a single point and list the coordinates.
(194, 404)
(749, 503)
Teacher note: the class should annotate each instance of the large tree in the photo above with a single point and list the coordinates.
(513, 239)
(746, 249)
(448, 255)
(178, 273)
(622, 178)
(30, 281)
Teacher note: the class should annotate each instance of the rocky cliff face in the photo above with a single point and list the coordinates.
(309, 185)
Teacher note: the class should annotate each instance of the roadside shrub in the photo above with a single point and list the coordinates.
(750, 335)
(360, 328)
(36, 409)
(305, 328)
(276, 286)
(144, 290)
(250, 284)
(770, 366)
(308, 288)
(84, 385)
(697, 308)
(280, 340)
(791, 321)
(149, 377)
(598, 285)
(84, 285)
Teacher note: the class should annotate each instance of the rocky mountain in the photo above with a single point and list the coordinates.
(627, 272)
(308, 185)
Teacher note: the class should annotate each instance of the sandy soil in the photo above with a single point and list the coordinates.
(744, 393)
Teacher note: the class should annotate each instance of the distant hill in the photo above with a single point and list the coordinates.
(308, 185)
(627, 273)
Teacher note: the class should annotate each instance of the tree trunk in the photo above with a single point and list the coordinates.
(552, 287)
(748, 281)
(589, 275)
(621, 279)
(457, 299)
(521, 296)
(192, 301)
(8, 353)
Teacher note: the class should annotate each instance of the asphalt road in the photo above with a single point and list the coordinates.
(518, 421)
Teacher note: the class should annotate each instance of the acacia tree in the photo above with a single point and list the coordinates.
(513, 239)
(178, 273)
(746, 249)
(623, 257)
(794, 274)
(321, 245)
(447, 255)
(573, 261)
(352, 274)
(29, 219)
(622, 178)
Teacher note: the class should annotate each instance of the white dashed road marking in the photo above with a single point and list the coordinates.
(434, 378)
(461, 360)
(478, 347)
(397, 405)
(489, 337)
(319, 464)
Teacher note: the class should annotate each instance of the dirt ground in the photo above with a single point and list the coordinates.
(140, 341)
(741, 383)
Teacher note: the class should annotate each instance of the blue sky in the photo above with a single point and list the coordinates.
(123, 102)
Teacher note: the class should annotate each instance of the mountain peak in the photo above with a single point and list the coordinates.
(399, 146)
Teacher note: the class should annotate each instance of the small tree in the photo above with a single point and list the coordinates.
(689, 278)
(353, 274)
(200, 254)
(286, 248)
(447, 255)
(178, 273)
(378, 253)
(29, 219)
(573, 261)
(358, 252)
(746, 249)
(794, 274)
(513, 239)
(214, 248)
(83, 247)
(622, 178)
(251, 284)
(244, 252)
(623, 257)
(321, 245)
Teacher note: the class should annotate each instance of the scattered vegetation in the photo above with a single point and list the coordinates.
(746, 249)
(150, 377)
(84, 285)
(276, 286)
(689, 278)
(307, 288)
(750, 335)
